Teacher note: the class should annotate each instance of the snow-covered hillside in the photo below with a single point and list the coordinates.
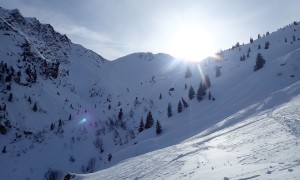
(66, 109)
(265, 145)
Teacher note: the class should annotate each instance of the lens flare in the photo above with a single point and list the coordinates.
(83, 121)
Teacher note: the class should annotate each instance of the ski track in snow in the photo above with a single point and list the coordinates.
(264, 146)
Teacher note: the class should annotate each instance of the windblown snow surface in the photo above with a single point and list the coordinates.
(265, 144)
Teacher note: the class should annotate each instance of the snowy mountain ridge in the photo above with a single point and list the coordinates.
(65, 108)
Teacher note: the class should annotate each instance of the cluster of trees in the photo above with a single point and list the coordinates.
(149, 123)
(201, 92)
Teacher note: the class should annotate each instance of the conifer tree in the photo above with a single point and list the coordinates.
(179, 107)
(160, 96)
(201, 92)
(188, 73)
(251, 40)
(294, 38)
(170, 113)
(141, 128)
(158, 128)
(185, 104)
(149, 120)
(4, 150)
(10, 97)
(209, 95)
(258, 46)
(120, 115)
(191, 93)
(34, 107)
(29, 100)
(52, 127)
(267, 44)
(60, 123)
(218, 71)
(70, 117)
(260, 61)
(207, 81)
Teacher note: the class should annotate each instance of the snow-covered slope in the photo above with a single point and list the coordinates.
(76, 125)
(264, 145)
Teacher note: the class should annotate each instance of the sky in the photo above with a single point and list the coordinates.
(191, 29)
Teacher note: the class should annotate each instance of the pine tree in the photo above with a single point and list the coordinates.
(188, 73)
(218, 71)
(120, 115)
(207, 81)
(185, 104)
(149, 121)
(60, 123)
(34, 107)
(10, 97)
(70, 117)
(191, 93)
(160, 96)
(258, 46)
(170, 113)
(52, 127)
(259, 62)
(158, 128)
(4, 150)
(294, 38)
(209, 95)
(179, 107)
(141, 128)
(201, 92)
(267, 44)
(251, 40)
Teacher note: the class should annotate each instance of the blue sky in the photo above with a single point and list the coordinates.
(114, 28)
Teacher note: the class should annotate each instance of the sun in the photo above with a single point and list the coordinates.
(191, 43)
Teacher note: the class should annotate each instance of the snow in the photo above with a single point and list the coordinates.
(251, 130)
(263, 146)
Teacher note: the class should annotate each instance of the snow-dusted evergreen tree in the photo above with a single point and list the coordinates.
(251, 40)
(188, 73)
(170, 113)
(120, 115)
(201, 92)
(141, 128)
(10, 97)
(260, 61)
(207, 81)
(149, 120)
(218, 71)
(185, 104)
(4, 150)
(191, 93)
(267, 44)
(158, 128)
(34, 107)
(179, 107)
(209, 95)
(160, 96)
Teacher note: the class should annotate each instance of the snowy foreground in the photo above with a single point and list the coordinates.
(264, 145)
